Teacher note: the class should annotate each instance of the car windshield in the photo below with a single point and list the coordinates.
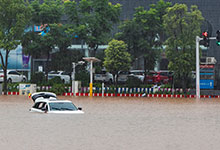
(62, 106)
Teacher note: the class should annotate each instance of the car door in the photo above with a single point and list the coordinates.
(18, 76)
(65, 77)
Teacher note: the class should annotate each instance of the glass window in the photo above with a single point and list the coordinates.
(62, 106)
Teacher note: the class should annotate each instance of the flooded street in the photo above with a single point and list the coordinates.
(112, 124)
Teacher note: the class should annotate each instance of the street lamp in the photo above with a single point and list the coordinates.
(91, 60)
(73, 74)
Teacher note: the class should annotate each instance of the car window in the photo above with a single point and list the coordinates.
(13, 72)
(39, 105)
(103, 72)
(124, 72)
(64, 73)
(58, 106)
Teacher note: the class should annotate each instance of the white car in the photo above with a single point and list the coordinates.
(46, 102)
(123, 76)
(138, 74)
(103, 76)
(63, 76)
(13, 76)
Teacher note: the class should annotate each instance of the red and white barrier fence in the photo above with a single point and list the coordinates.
(11, 93)
(140, 95)
(130, 95)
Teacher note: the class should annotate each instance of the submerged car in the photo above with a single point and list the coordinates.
(47, 102)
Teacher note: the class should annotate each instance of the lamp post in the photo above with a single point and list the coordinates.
(91, 60)
(73, 74)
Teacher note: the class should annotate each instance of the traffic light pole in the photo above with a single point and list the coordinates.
(197, 65)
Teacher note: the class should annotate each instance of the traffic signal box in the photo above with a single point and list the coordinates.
(218, 37)
(206, 39)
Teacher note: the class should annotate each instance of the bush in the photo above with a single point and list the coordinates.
(99, 85)
(84, 77)
(166, 86)
(133, 82)
(13, 87)
(55, 80)
(38, 78)
(59, 89)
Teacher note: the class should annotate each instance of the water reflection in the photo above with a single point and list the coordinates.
(113, 124)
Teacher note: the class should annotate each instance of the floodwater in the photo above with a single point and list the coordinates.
(112, 124)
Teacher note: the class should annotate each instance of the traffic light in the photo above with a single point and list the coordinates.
(218, 37)
(206, 39)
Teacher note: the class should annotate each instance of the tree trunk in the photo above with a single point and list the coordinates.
(5, 67)
(184, 81)
(116, 83)
(47, 66)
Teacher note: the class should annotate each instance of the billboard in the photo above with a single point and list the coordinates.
(17, 60)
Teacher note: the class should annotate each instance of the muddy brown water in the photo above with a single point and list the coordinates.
(112, 124)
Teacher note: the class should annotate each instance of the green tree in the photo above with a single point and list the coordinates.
(144, 33)
(13, 19)
(48, 13)
(92, 20)
(182, 26)
(117, 58)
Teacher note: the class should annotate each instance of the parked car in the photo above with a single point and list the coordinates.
(65, 77)
(149, 78)
(123, 76)
(13, 76)
(46, 102)
(159, 77)
(138, 74)
(103, 76)
(162, 77)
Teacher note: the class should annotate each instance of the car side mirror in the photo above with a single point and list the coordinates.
(79, 108)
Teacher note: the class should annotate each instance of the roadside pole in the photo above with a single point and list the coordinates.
(91, 60)
(103, 87)
(197, 68)
(198, 65)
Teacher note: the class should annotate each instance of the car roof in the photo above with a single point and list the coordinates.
(52, 100)
(136, 70)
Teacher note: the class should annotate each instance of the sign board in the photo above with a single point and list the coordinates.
(206, 84)
(206, 66)
(26, 89)
(40, 68)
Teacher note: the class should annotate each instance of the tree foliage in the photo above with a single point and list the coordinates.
(48, 13)
(14, 15)
(117, 58)
(92, 20)
(182, 26)
(144, 33)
